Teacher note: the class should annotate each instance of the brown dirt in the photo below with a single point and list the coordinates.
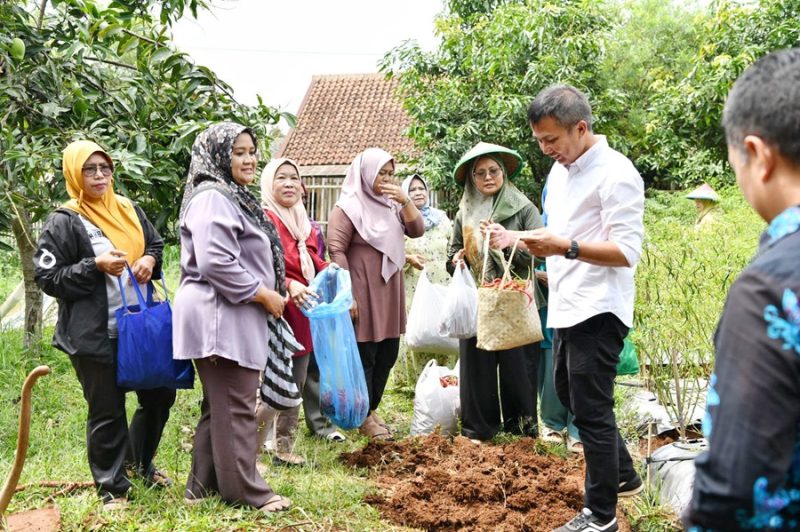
(666, 438)
(42, 520)
(437, 483)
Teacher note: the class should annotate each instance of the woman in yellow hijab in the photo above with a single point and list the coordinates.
(82, 251)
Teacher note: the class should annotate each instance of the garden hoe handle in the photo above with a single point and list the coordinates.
(22, 440)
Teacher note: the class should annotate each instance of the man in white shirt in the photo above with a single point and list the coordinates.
(593, 240)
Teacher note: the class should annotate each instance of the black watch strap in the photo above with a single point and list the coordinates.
(572, 252)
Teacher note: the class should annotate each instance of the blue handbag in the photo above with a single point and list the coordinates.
(144, 352)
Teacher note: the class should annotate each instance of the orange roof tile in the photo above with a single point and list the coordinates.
(342, 115)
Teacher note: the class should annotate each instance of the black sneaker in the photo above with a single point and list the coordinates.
(588, 522)
(631, 487)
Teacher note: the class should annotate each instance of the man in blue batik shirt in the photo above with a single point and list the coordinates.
(750, 477)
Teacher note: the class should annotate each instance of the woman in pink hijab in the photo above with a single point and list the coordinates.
(365, 236)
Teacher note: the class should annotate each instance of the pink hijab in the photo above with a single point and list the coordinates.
(295, 218)
(375, 217)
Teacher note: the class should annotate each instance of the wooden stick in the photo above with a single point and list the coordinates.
(64, 484)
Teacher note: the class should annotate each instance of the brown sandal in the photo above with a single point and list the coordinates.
(276, 504)
(374, 430)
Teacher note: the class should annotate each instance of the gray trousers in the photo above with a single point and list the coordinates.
(317, 423)
(285, 420)
(225, 442)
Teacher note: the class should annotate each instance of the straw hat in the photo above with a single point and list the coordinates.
(703, 192)
(511, 160)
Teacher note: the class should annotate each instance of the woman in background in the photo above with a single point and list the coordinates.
(365, 236)
(428, 252)
(281, 190)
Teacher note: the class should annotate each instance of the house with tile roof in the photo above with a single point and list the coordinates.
(340, 116)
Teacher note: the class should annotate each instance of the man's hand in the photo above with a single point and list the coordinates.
(499, 236)
(542, 243)
(354, 312)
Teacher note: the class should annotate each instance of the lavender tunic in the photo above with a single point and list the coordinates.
(224, 259)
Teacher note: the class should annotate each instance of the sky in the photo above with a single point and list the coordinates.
(273, 48)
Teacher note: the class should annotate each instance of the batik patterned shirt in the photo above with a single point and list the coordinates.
(750, 477)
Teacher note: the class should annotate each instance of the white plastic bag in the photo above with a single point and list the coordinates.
(460, 312)
(422, 329)
(436, 400)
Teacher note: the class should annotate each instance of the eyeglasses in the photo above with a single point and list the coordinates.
(91, 170)
(495, 172)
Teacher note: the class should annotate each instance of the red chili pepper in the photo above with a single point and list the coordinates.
(519, 286)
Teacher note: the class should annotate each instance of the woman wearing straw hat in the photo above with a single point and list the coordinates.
(706, 200)
(489, 196)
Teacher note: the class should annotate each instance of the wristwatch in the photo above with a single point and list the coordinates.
(572, 252)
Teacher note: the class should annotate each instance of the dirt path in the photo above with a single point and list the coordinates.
(438, 483)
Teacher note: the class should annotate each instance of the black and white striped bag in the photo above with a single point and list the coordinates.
(278, 388)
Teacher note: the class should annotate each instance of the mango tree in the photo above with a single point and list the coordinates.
(493, 59)
(112, 75)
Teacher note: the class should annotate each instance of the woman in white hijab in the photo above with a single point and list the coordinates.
(281, 194)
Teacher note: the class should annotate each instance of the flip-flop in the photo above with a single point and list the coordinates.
(115, 504)
(336, 436)
(553, 436)
(276, 504)
(574, 446)
(288, 459)
(375, 431)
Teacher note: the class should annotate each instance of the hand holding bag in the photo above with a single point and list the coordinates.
(144, 351)
(278, 388)
(507, 313)
(343, 395)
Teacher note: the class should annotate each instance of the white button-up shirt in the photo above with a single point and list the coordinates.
(599, 197)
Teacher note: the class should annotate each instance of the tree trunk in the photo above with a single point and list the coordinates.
(23, 234)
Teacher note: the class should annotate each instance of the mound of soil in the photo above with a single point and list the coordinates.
(437, 483)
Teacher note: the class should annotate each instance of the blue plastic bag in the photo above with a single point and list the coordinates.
(144, 352)
(343, 395)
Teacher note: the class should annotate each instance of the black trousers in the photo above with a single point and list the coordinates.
(110, 443)
(585, 357)
(481, 399)
(378, 359)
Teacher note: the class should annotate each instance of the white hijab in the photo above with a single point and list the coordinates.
(295, 218)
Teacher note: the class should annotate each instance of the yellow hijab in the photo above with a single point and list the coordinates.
(113, 214)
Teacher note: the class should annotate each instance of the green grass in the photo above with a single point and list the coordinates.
(10, 273)
(327, 495)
